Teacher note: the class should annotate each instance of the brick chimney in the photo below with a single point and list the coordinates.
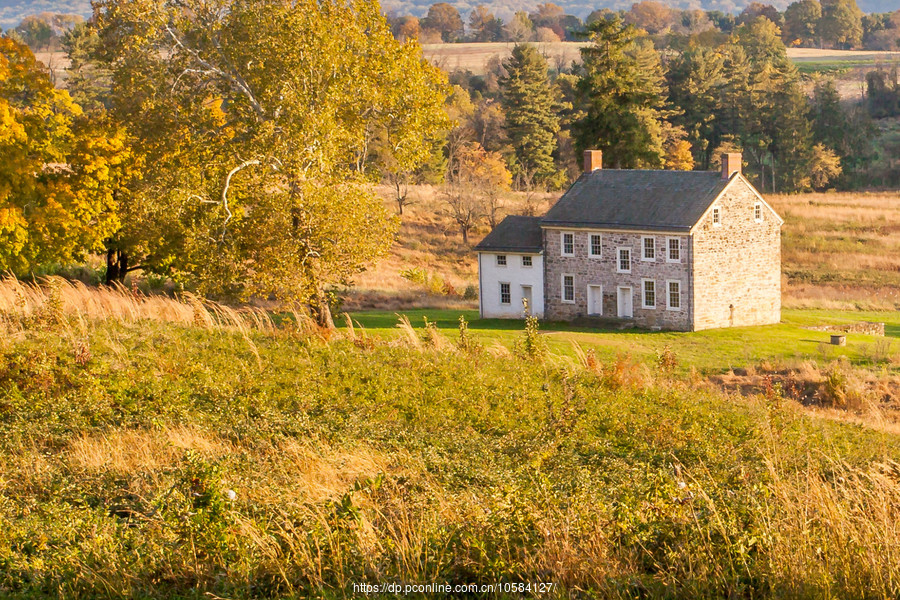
(731, 164)
(593, 160)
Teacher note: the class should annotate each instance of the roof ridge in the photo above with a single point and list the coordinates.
(637, 198)
(652, 171)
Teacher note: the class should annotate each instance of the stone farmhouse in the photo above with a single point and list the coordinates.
(676, 250)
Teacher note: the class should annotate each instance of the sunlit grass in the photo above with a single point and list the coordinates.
(173, 456)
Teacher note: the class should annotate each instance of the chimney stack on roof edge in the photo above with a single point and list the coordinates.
(731, 164)
(593, 160)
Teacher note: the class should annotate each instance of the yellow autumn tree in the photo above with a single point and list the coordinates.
(259, 117)
(678, 156)
(58, 174)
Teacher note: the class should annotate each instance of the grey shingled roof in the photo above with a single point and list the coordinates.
(637, 199)
(514, 234)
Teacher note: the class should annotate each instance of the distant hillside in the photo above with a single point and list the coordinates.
(582, 8)
(13, 11)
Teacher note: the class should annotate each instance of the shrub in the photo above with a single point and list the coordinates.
(465, 342)
(471, 293)
(432, 282)
(666, 361)
(533, 346)
(435, 285)
(415, 275)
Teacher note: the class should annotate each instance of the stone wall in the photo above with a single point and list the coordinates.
(737, 264)
(866, 327)
(588, 270)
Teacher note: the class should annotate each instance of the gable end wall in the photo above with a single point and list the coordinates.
(737, 265)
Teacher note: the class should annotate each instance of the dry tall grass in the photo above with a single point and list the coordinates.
(840, 250)
(54, 297)
(836, 530)
(311, 511)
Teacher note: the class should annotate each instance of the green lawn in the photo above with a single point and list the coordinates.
(709, 351)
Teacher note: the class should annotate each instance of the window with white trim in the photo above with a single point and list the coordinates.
(505, 297)
(673, 297)
(526, 261)
(568, 288)
(648, 297)
(757, 212)
(623, 263)
(648, 243)
(567, 240)
(501, 260)
(716, 217)
(596, 248)
(674, 254)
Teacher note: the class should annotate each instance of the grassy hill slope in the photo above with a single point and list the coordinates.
(151, 447)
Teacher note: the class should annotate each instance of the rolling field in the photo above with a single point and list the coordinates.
(475, 56)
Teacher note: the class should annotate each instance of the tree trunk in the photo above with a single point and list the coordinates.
(465, 234)
(323, 311)
(116, 266)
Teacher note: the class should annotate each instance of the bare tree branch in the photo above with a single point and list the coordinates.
(236, 81)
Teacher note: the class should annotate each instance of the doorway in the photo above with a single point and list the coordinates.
(625, 303)
(595, 300)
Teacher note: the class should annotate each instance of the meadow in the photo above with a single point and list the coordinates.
(156, 445)
(153, 446)
(841, 250)
(474, 56)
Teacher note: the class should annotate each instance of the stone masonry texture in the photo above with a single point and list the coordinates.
(737, 264)
(603, 271)
(730, 273)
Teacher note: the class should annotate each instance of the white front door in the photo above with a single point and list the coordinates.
(595, 299)
(527, 306)
(626, 309)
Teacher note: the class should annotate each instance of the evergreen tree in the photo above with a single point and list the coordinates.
(529, 105)
(622, 95)
(776, 132)
(830, 125)
(696, 78)
(88, 83)
(846, 132)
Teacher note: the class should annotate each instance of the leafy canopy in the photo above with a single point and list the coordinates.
(258, 118)
(58, 175)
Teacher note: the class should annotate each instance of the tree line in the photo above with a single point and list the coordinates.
(810, 23)
(679, 108)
